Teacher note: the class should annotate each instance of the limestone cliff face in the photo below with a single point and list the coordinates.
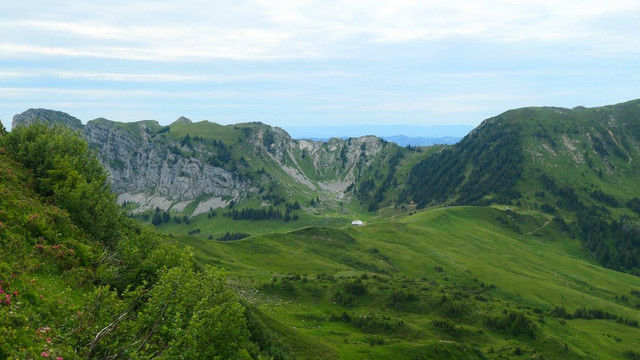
(171, 167)
(330, 166)
(147, 172)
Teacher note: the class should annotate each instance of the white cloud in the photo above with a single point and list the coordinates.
(263, 30)
(80, 93)
(170, 78)
(387, 60)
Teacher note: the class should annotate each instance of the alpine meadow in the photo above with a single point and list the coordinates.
(320, 180)
(196, 240)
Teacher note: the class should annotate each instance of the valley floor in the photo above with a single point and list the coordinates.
(458, 282)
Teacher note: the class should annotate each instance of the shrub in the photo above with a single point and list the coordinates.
(446, 326)
(356, 288)
(513, 323)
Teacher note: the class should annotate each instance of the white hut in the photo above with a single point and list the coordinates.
(357, 223)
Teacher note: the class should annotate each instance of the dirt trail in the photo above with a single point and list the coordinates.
(540, 228)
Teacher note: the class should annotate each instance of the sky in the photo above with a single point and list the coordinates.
(315, 63)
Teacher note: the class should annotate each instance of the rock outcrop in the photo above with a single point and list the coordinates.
(49, 116)
(145, 171)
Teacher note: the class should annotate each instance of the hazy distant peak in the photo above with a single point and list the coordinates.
(404, 140)
(346, 131)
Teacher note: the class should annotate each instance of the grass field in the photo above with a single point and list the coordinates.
(436, 284)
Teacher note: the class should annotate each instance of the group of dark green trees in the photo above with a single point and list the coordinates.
(487, 162)
(259, 214)
(614, 242)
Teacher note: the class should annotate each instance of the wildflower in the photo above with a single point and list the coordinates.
(49, 340)
(45, 354)
(59, 358)
(15, 293)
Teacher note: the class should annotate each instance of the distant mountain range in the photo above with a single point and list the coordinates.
(405, 141)
(382, 131)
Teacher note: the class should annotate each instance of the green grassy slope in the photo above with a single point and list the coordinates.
(80, 281)
(580, 165)
(595, 147)
(504, 157)
(435, 284)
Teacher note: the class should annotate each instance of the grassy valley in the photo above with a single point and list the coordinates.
(445, 283)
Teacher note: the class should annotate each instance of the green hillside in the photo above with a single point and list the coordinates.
(445, 283)
(581, 166)
(517, 279)
(79, 280)
(504, 158)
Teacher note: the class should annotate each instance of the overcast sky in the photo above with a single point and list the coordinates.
(324, 62)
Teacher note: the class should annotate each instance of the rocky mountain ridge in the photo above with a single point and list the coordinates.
(203, 165)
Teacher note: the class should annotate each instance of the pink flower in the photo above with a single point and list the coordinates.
(59, 358)
(45, 354)
(15, 293)
(49, 340)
